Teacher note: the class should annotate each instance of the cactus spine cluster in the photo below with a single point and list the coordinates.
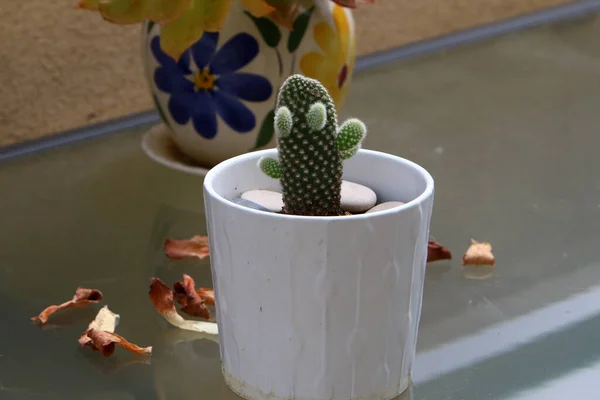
(311, 148)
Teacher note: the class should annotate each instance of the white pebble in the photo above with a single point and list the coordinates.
(357, 198)
(266, 198)
(385, 206)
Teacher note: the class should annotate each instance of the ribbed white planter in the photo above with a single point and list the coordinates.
(319, 308)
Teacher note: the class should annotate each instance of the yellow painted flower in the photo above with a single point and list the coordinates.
(333, 67)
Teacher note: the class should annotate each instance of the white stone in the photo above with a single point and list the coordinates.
(357, 198)
(249, 204)
(385, 206)
(266, 198)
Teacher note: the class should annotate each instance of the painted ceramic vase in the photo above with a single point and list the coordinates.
(218, 100)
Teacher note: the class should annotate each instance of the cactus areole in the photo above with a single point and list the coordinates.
(311, 148)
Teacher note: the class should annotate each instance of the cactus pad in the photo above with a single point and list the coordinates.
(311, 150)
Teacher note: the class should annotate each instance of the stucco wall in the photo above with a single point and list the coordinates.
(62, 68)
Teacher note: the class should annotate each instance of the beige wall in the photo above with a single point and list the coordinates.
(62, 68)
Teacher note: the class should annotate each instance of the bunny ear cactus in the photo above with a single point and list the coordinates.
(311, 148)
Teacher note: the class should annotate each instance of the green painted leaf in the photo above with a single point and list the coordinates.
(300, 25)
(160, 111)
(268, 30)
(267, 130)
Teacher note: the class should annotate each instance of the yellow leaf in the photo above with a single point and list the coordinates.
(285, 15)
(203, 15)
(88, 4)
(164, 11)
(122, 11)
(258, 8)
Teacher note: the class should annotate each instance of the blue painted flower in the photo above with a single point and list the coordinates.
(214, 87)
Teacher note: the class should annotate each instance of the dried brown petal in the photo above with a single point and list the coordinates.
(82, 298)
(285, 15)
(106, 321)
(88, 4)
(352, 3)
(197, 246)
(479, 253)
(162, 300)
(191, 303)
(208, 295)
(100, 335)
(105, 343)
(437, 252)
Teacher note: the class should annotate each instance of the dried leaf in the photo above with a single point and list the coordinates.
(352, 3)
(136, 11)
(82, 298)
(284, 12)
(106, 321)
(208, 295)
(88, 4)
(258, 8)
(437, 252)
(190, 301)
(165, 11)
(202, 16)
(122, 11)
(100, 335)
(197, 246)
(105, 342)
(479, 253)
(162, 300)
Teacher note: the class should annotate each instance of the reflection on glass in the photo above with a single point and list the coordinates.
(478, 272)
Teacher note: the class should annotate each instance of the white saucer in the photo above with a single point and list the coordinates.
(158, 145)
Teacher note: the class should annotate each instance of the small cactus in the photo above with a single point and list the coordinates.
(311, 148)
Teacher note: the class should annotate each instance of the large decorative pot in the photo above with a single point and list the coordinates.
(218, 100)
(319, 308)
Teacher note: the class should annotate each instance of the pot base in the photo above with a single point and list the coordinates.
(158, 145)
(252, 393)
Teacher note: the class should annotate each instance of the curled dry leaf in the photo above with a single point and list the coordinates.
(88, 4)
(82, 298)
(106, 321)
(437, 252)
(162, 300)
(479, 253)
(197, 246)
(353, 3)
(100, 335)
(190, 301)
(258, 8)
(208, 295)
(285, 13)
(105, 342)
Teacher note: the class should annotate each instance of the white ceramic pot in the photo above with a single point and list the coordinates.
(218, 101)
(319, 308)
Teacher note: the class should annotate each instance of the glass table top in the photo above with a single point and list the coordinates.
(508, 128)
